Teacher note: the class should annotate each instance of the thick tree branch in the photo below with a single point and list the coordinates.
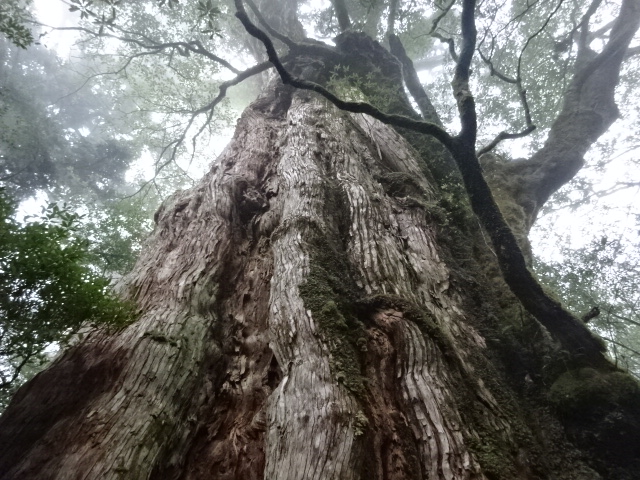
(449, 41)
(573, 335)
(631, 52)
(588, 111)
(505, 136)
(342, 14)
(460, 83)
(413, 82)
(570, 331)
(391, 18)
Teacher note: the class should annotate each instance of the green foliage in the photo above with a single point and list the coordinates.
(51, 139)
(13, 15)
(159, 75)
(47, 291)
(605, 274)
(209, 13)
(117, 229)
(349, 85)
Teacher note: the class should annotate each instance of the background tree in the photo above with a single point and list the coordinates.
(60, 143)
(47, 291)
(340, 297)
(52, 138)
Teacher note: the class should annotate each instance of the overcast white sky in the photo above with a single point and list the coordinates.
(55, 13)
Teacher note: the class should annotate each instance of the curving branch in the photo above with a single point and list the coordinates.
(440, 16)
(522, 93)
(494, 72)
(448, 40)
(209, 110)
(153, 46)
(531, 38)
(505, 136)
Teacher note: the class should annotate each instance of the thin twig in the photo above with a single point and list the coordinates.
(505, 136)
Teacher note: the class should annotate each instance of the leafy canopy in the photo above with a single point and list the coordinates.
(47, 291)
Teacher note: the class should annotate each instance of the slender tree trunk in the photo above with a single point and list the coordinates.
(310, 310)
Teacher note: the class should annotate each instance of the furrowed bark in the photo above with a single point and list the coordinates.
(573, 335)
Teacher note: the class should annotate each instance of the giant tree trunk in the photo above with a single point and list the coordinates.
(311, 311)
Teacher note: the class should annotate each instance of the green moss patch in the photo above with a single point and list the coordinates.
(586, 390)
(329, 293)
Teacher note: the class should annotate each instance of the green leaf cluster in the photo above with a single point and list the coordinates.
(13, 15)
(47, 291)
(209, 13)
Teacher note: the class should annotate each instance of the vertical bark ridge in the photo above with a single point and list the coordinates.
(412, 269)
(310, 416)
(393, 251)
(229, 441)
